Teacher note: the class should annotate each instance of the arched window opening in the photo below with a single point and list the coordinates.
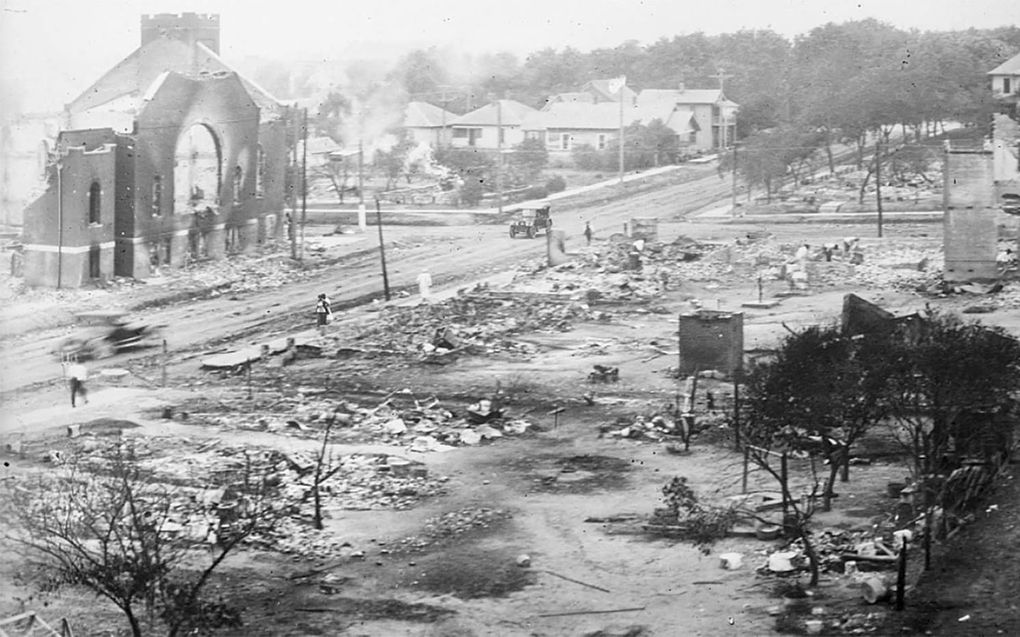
(95, 192)
(196, 178)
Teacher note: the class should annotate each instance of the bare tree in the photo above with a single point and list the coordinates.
(116, 529)
(324, 469)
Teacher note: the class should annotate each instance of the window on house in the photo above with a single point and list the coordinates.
(601, 144)
(157, 196)
(95, 209)
(564, 141)
(460, 133)
(238, 182)
(260, 173)
(1006, 86)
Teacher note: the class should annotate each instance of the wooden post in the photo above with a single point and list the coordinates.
(784, 480)
(164, 362)
(878, 183)
(382, 251)
(901, 576)
(304, 181)
(927, 539)
(747, 460)
(736, 409)
(248, 372)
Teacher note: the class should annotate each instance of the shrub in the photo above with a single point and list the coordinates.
(556, 183)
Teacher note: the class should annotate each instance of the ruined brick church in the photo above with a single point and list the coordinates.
(169, 157)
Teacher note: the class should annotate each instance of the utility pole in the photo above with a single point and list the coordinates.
(292, 217)
(733, 188)
(878, 183)
(382, 250)
(60, 218)
(361, 171)
(499, 155)
(622, 85)
(304, 180)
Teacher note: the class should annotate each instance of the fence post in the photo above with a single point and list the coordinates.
(784, 479)
(927, 539)
(901, 576)
(747, 459)
(164, 362)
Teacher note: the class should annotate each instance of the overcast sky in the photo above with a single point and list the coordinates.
(50, 50)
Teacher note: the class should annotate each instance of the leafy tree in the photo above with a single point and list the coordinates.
(767, 157)
(330, 118)
(946, 369)
(117, 530)
(528, 160)
(824, 390)
(587, 158)
(393, 162)
(471, 191)
(421, 73)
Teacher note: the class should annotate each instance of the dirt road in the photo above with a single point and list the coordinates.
(459, 254)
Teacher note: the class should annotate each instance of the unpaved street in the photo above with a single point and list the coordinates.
(452, 254)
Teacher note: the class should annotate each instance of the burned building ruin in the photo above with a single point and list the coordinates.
(169, 157)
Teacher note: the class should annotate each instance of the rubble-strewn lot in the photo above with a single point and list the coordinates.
(482, 490)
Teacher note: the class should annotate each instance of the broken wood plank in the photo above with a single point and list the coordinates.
(591, 612)
(575, 581)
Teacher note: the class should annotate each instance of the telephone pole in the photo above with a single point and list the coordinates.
(499, 155)
(622, 85)
(382, 251)
(304, 180)
(878, 183)
(733, 188)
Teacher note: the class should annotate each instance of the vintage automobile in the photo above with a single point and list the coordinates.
(103, 333)
(531, 220)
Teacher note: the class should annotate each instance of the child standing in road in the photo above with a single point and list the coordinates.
(323, 313)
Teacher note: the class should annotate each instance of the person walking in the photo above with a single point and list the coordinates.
(425, 285)
(587, 232)
(323, 313)
(77, 374)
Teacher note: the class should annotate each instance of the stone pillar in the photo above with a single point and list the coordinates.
(249, 236)
(214, 241)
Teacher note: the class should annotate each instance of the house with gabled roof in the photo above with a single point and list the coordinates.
(428, 124)
(565, 126)
(715, 114)
(1006, 80)
(170, 156)
(594, 92)
(482, 127)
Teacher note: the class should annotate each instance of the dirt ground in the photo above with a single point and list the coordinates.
(445, 556)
